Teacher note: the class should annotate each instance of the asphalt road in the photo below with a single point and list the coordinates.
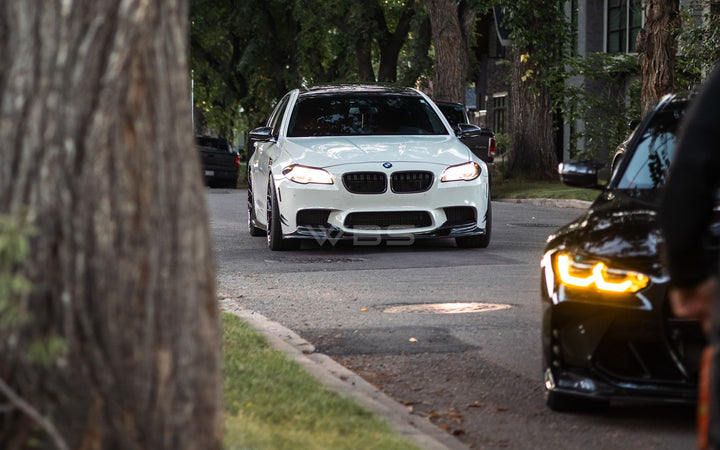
(453, 334)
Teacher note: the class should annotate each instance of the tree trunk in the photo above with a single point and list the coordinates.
(96, 146)
(532, 153)
(452, 25)
(391, 43)
(366, 72)
(656, 46)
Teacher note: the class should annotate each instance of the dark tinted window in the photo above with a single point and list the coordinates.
(649, 163)
(364, 114)
(454, 114)
(275, 119)
(211, 142)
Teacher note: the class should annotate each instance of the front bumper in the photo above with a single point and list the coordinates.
(449, 209)
(625, 346)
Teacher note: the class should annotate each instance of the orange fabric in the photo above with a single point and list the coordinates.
(703, 407)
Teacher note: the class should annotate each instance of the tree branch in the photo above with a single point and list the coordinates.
(34, 414)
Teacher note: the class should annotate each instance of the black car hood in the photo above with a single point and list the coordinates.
(620, 226)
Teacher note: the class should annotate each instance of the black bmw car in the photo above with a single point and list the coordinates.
(608, 331)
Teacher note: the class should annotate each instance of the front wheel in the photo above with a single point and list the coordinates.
(275, 239)
(481, 240)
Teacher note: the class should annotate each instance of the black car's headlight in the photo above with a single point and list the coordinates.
(597, 275)
(461, 172)
(304, 175)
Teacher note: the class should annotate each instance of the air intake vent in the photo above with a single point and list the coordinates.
(388, 220)
(365, 182)
(411, 182)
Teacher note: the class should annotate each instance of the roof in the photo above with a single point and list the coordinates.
(355, 88)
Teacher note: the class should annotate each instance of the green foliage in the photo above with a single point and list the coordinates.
(272, 403)
(596, 95)
(14, 247)
(698, 45)
(15, 234)
(245, 55)
(540, 33)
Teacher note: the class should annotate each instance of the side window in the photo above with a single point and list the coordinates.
(650, 162)
(275, 119)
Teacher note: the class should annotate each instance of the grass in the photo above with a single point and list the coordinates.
(514, 189)
(272, 403)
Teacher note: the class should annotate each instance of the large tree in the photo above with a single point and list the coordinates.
(117, 343)
(656, 45)
(452, 27)
(540, 32)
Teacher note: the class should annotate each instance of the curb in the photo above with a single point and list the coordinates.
(348, 384)
(548, 202)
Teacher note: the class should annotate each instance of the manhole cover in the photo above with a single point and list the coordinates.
(446, 308)
(534, 225)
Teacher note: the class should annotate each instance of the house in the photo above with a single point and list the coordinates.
(599, 26)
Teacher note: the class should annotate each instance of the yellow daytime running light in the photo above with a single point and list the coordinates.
(605, 279)
(305, 175)
(462, 172)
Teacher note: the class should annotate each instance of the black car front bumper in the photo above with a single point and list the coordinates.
(619, 346)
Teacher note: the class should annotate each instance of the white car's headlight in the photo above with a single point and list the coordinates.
(597, 275)
(462, 172)
(305, 175)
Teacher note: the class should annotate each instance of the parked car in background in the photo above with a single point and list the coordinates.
(481, 141)
(219, 161)
(367, 163)
(608, 331)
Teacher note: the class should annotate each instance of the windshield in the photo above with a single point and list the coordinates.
(649, 163)
(364, 114)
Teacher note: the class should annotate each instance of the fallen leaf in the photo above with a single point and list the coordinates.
(413, 340)
(364, 310)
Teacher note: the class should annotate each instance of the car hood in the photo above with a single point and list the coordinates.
(336, 150)
(620, 226)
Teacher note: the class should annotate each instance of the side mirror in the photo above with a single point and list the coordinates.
(261, 134)
(582, 174)
(467, 130)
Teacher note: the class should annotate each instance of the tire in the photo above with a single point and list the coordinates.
(560, 402)
(252, 220)
(480, 240)
(275, 239)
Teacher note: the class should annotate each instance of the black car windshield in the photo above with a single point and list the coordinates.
(649, 163)
(364, 114)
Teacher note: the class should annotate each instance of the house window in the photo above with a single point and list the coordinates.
(715, 7)
(624, 21)
(499, 113)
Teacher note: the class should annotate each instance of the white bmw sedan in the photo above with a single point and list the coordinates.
(367, 163)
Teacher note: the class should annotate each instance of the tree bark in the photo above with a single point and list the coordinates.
(96, 146)
(452, 26)
(532, 153)
(656, 45)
